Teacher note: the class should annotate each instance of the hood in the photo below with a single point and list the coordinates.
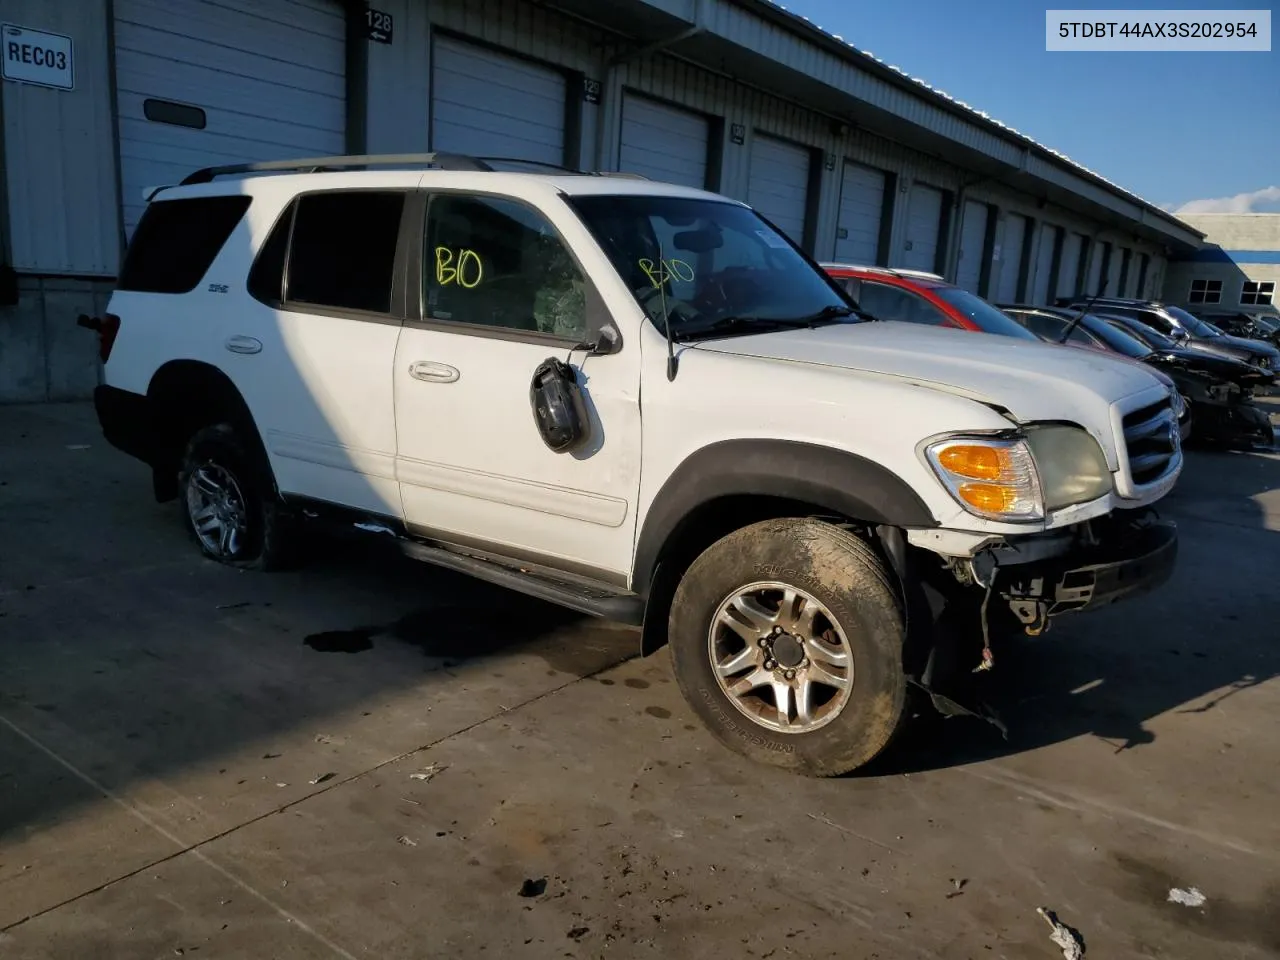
(1030, 379)
(1212, 365)
(1256, 347)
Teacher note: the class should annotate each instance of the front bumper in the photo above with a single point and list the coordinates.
(128, 422)
(1129, 556)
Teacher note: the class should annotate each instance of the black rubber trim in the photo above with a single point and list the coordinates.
(127, 420)
(834, 480)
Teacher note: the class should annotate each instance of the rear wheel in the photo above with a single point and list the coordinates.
(228, 503)
(787, 641)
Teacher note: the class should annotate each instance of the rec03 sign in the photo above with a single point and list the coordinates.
(36, 57)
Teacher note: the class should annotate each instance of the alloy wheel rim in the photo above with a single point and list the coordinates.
(780, 657)
(217, 509)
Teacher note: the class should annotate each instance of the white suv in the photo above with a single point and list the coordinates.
(640, 401)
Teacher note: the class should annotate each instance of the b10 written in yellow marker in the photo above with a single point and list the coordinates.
(665, 270)
(461, 267)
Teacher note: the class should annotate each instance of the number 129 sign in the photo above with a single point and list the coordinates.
(37, 57)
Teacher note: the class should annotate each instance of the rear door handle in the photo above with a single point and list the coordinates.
(433, 372)
(239, 344)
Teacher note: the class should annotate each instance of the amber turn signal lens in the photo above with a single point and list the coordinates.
(976, 462)
(989, 497)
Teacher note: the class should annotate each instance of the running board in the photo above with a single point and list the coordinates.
(589, 598)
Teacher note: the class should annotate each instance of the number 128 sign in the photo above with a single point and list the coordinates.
(37, 57)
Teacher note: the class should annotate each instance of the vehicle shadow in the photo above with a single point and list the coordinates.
(1204, 637)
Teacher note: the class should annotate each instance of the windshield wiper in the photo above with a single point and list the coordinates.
(829, 315)
(735, 323)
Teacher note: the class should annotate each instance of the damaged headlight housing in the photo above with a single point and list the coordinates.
(1022, 479)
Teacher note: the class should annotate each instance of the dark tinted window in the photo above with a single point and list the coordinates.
(176, 241)
(982, 313)
(266, 277)
(894, 303)
(498, 263)
(1050, 328)
(344, 249)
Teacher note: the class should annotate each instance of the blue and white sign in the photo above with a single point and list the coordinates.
(37, 57)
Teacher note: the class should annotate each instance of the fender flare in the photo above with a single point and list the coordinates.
(836, 480)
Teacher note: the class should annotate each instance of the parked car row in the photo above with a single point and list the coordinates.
(1215, 375)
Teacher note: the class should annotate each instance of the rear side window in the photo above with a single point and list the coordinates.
(176, 241)
(343, 249)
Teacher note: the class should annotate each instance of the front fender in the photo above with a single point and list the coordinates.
(834, 480)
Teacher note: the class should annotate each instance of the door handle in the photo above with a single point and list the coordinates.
(433, 372)
(239, 344)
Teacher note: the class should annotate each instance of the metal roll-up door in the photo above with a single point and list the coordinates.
(862, 192)
(1069, 271)
(778, 184)
(199, 84)
(973, 245)
(490, 104)
(1015, 235)
(924, 228)
(663, 142)
(1044, 264)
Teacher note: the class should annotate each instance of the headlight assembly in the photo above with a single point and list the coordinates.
(1020, 480)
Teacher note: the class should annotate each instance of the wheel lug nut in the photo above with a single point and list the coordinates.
(769, 664)
(791, 674)
(764, 642)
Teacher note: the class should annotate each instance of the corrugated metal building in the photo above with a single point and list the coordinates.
(853, 158)
(1238, 269)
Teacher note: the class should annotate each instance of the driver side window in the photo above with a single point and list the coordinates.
(497, 263)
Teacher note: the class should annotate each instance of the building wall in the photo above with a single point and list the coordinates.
(63, 220)
(1239, 248)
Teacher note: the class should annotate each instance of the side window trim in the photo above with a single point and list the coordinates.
(396, 314)
(597, 312)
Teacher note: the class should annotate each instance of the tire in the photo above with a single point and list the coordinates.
(844, 594)
(222, 485)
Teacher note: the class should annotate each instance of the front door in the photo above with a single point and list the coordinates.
(500, 293)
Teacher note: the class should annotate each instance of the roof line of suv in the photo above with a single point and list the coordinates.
(440, 160)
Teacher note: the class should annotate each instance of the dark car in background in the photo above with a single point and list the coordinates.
(1092, 333)
(1178, 324)
(1251, 326)
(1220, 389)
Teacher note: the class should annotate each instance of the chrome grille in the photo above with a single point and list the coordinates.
(1151, 440)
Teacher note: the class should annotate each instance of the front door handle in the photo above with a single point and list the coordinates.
(241, 344)
(433, 372)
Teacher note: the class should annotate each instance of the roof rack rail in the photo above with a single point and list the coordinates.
(570, 170)
(445, 161)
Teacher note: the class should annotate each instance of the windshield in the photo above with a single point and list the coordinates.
(987, 317)
(1153, 338)
(713, 266)
(1194, 325)
(1117, 340)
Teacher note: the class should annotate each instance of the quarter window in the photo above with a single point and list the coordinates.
(1206, 291)
(893, 303)
(343, 251)
(177, 241)
(1259, 293)
(497, 263)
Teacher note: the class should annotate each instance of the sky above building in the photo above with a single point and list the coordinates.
(1192, 131)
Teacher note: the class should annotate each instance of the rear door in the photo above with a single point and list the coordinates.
(312, 350)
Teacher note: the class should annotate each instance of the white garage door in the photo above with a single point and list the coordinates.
(490, 104)
(861, 210)
(200, 83)
(924, 224)
(1044, 264)
(1102, 251)
(1015, 235)
(973, 244)
(662, 142)
(1069, 272)
(778, 185)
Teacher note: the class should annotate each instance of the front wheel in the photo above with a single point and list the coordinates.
(787, 640)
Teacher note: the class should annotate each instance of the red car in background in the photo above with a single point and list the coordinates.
(913, 296)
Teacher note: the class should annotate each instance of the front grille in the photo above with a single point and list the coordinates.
(1151, 440)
